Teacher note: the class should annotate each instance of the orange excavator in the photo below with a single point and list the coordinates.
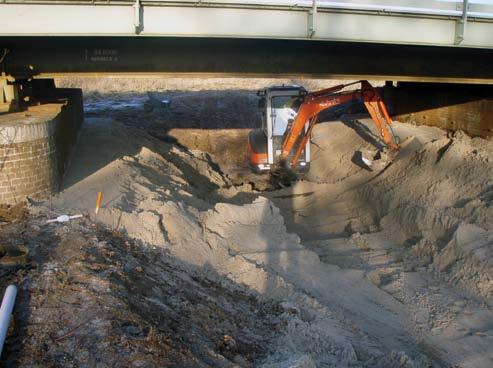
(289, 114)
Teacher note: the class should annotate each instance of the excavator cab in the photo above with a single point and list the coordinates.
(278, 107)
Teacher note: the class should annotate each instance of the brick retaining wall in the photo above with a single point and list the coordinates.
(27, 169)
(35, 147)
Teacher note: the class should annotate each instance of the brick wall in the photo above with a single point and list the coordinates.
(36, 145)
(28, 169)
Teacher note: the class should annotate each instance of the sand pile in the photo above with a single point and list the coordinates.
(171, 199)
(437, 202)
(418, 227)
(434, 198)
(335, 147)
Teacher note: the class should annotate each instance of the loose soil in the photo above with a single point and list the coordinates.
(189, 264)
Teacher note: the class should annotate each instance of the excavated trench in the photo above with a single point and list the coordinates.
(390, 267)
(418, 222)
(432, 201)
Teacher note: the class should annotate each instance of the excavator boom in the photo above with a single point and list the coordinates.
(316, 102)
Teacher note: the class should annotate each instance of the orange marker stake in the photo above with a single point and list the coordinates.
(98, 201)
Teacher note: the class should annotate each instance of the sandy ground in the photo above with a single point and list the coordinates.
(189, 265)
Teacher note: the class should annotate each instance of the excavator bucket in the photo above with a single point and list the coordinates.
(363, 160)
(282, 175)
(367, 162)
(372, 161)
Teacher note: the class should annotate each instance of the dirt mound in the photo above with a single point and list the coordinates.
(171, 199)
(438, 202)
(434, 198)
(335, 146)
(348, 268)
(130, 167)
(418, 227)
(91, 298)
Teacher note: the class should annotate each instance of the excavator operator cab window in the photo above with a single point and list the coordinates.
(284, 110)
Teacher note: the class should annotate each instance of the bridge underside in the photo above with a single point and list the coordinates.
(44, 56)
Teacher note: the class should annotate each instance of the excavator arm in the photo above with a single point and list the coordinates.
(316, 102)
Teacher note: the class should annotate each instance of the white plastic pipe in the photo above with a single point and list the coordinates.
(5, 313)
(64, 218)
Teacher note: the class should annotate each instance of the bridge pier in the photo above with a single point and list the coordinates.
(38, 131)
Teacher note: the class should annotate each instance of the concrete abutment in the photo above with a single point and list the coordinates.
(36, 143)
(451, 107)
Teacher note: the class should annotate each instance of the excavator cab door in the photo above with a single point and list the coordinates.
(278, 106)
(282, 107)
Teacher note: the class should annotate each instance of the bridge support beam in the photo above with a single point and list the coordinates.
(52, 56)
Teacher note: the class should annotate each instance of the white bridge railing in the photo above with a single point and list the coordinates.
(475, 8)
(467, 23)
